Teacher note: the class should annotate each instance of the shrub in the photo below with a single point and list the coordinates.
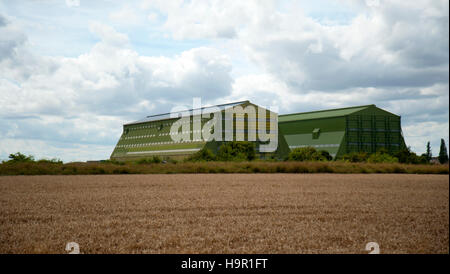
(142, 161)
(156, 160)
(236, 151)
(51, 161)
(97, 170)
(153, 160)
(326, 155)
(380, 157)
(204, 154)
(122, 171)
(172, 161)
(356, 157)
(114, 162)
(406, 156)
(308, 154)
(302, 154)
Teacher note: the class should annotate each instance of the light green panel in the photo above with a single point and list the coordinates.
(328, 141)
(307, 139)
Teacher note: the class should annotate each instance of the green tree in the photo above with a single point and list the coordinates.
(19, 157)
(428, 154)
(406, 156)
(236, 151)
(443, 156)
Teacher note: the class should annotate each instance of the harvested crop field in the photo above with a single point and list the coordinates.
(225, 213)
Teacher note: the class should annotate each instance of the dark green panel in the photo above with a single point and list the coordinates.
(371, 129)
(308, 126)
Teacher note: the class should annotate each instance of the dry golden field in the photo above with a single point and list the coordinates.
(225, 213)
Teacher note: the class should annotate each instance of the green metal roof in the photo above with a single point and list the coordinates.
(205, 110)
(321, 114)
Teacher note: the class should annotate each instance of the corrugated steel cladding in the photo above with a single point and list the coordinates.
(338, 131)
(341, 131)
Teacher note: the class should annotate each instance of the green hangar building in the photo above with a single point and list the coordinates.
(338, 131)
(153, 135)
(344, 130)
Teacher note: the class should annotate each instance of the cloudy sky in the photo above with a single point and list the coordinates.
(73, 71)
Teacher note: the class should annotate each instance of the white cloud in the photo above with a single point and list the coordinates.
(10, 39)
(209, 19)
(73, 3)
(153, 17)
(299, 55)
(109, 35)
(126, 15)
(42, 149)
(86, 99)
(418, 134)
(390, 43)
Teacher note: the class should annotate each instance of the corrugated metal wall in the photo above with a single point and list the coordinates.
(366, 129)
(369, 133)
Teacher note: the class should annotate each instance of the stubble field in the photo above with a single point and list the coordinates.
(225, 213)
